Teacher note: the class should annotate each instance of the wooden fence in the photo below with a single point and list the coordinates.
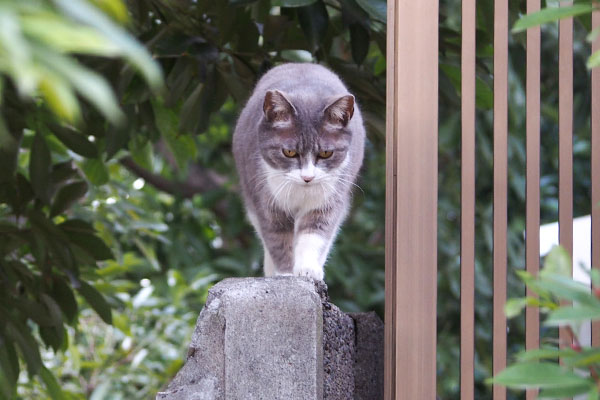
(411, 206)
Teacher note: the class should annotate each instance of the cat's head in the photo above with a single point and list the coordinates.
(306, 139)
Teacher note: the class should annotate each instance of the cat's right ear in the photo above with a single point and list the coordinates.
(277, 107)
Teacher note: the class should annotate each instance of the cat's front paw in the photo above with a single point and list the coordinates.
(309, 271)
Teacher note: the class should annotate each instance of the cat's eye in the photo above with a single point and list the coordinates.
(325, 154)
(290, 153)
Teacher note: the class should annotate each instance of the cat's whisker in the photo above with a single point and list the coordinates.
(334, 190)
(273, 201)
(352, 183)
(287, 198)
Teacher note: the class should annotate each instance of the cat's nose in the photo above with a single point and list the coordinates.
(307, 178)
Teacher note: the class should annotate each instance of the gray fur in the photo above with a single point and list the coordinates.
(305, 108)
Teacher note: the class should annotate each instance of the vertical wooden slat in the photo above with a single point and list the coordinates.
(390, 211)
(595, 154)
(532, 213)
(412, 200)
(500, 188)
(467, 222)
(565, 143)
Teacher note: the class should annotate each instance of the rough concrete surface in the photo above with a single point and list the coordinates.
(338, 349)
(279, 338)
(368, 362)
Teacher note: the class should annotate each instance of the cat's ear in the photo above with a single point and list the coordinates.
(340, 112)
(277, 107)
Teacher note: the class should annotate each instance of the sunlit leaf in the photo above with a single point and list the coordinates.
(88, 84)
(594, 60)
(551, 14)
(132, 50)
(576, 314)
(558, 261)
(96, 171)
(539, 375)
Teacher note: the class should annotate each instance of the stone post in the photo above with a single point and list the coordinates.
(279, 338)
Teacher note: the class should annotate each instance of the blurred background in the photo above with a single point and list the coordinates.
(118, 197)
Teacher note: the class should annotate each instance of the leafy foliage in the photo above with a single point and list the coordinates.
(79, 127)
(539, 368)
(555, 12)
(119, 202)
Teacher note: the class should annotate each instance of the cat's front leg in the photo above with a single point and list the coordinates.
(313, 237)
(309, 255)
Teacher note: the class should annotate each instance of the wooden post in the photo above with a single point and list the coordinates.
(411, 204)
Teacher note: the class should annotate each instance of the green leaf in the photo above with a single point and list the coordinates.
(513, 307)
(68, 195)
(241, 2)
(377, 9)
(52, 336)
(538, 375)
(53, 310)
(594, 60)
(90, 85)
(40, 168)
(135, 53)
(584, 358)
(75, 141)
(484, 95)
(35, 311)
(567, 289)
(28, 346)
(63, 295)
(359, 41)
(95, 170)
(292, 3)
(544, 353)
(77, 226)
(62, 172)
(182, 146)
(52, 386)
(67, 36)
(562, 393)
(558, 262)
(9, 368)
(314, 21)
(96, 301)
(9, 148)
(93, 245)
(60, 96)
(114, 8)
(569, 315)
(550, 14)
(83, 235)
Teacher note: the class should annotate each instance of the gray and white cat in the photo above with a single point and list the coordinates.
(298, 146)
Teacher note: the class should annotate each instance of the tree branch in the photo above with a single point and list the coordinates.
(199, 179)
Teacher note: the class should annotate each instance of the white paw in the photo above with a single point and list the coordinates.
(311, 272)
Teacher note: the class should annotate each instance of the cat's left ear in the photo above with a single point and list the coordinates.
(340, 112)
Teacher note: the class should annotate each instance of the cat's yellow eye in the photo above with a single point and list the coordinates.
(289, 153)
(325, 154)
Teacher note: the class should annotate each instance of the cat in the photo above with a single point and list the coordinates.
(298, 147)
